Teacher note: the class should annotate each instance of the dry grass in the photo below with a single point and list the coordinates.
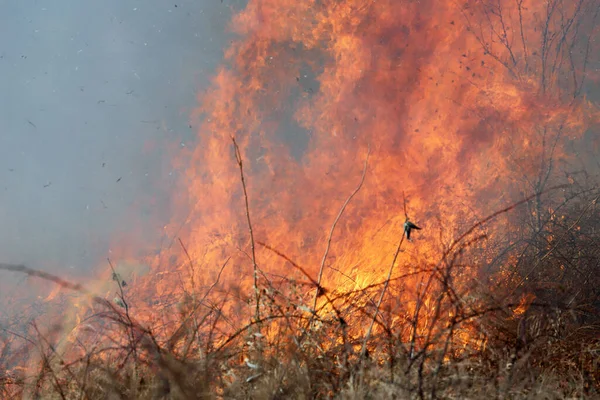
(480, 340)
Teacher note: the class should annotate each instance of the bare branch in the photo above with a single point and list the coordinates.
(337, 218)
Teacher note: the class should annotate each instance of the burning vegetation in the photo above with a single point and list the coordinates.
(387, 199)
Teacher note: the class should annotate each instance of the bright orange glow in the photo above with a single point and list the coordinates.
(453, 118)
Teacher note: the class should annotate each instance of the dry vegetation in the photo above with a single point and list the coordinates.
(527, 327)
(513, 315)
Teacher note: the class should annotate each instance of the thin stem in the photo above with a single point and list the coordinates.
(383, 291)
(322, 267)
(238, 157)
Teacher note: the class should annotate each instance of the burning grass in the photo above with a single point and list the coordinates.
(288, 271)
(527, 330)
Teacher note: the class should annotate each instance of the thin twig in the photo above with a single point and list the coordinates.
(320, 289)
(192, 269)
(238, 157)
(383, 291)
(44, 275)
(337, 218)
(131, 329)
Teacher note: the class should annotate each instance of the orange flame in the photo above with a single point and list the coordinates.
(458, 104)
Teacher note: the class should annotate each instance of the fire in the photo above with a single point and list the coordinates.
(454, 102)
(456, 105)
(446, 122)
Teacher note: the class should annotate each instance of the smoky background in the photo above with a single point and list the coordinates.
(92, 96)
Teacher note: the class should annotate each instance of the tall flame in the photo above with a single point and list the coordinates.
(461, 106)
(456, 102)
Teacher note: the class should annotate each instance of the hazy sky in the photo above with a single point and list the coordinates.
(84, 85)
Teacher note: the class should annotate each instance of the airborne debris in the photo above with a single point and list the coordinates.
(32, 124)
(48, 184)
(408, 227)
(119, 180)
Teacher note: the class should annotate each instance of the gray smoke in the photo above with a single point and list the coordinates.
(85, 87)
